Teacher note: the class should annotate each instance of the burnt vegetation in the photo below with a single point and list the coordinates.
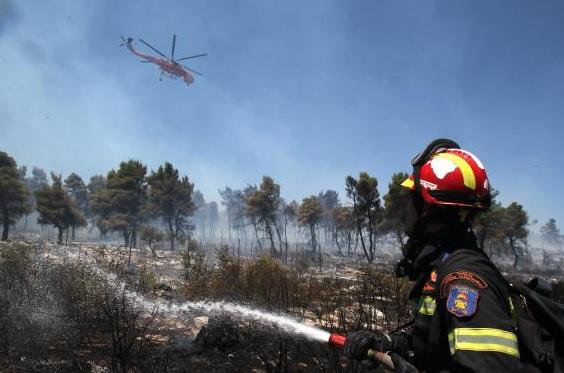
(74, 252)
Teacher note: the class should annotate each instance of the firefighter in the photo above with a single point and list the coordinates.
(463, 320)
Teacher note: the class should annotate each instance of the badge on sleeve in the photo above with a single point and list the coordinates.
(462, 300)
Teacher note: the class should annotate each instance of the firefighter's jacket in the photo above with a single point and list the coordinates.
(463, 319)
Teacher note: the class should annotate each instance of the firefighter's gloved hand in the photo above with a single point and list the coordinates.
(358, 344)
(401, 365)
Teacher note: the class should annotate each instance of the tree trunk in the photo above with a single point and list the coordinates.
(271, 238)
(6, 229)
(363, 244)
(286, 242)
(73, 233)
(336, 237)
(371, 240)
(313, 240)
(6, 221)
(229, 219)
(256, 234)
(171, 235)
(60, 236)
(280, 243)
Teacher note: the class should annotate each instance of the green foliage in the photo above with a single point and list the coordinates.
(345, 228)
(120, 205)
(78, 191)
(310, 214)
(14, 194)
(363, 192)
(264, 282)
(56, 207)
(171, 200)
(97, 182)
(395, 211)
(261, 206)
(147, 280)
(195, 269)
(151, 235)
(38, 179)
(487, 226)
(513, 229)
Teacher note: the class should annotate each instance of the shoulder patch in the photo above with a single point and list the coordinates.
(462, 300)
(469, 278)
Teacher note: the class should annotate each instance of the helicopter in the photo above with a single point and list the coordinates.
(168, 65)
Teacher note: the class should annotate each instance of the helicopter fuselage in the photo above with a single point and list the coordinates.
(170, 67)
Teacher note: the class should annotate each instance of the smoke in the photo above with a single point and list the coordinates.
(59, 103)
(6, 13)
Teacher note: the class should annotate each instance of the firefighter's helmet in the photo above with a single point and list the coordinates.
(444, 174)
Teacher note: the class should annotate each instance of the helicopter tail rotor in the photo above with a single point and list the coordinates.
(125, 41)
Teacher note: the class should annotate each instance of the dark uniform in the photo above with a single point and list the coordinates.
(463, 319)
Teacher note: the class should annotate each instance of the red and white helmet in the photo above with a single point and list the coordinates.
(444, 174)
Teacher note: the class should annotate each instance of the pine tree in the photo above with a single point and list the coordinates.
(395, 211)
(56, 207)
(14, 194)
(120, 205)
(310, 214)
(363, 192)
(171, 200)
(78, 191)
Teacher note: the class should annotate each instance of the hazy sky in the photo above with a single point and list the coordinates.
(307, 92)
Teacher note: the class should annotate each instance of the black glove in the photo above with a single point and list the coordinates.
(358, 344)
(401, 365)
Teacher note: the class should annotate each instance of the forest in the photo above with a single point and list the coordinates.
(87, 268)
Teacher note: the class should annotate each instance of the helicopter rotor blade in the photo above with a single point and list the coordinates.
(197, 55)
(124, 41)
(191, 70)
(173, 45)
(153, 48)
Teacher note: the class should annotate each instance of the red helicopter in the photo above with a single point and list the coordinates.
(168, 65)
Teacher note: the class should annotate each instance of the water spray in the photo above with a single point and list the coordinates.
(284, 323)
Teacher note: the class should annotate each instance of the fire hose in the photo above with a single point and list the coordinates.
(338, 341)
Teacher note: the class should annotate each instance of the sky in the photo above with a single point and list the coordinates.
(306, 92)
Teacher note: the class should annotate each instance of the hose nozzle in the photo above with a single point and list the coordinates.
(337, 341)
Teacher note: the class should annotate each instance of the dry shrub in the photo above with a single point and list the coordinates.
(266, 283)
(373, 300)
